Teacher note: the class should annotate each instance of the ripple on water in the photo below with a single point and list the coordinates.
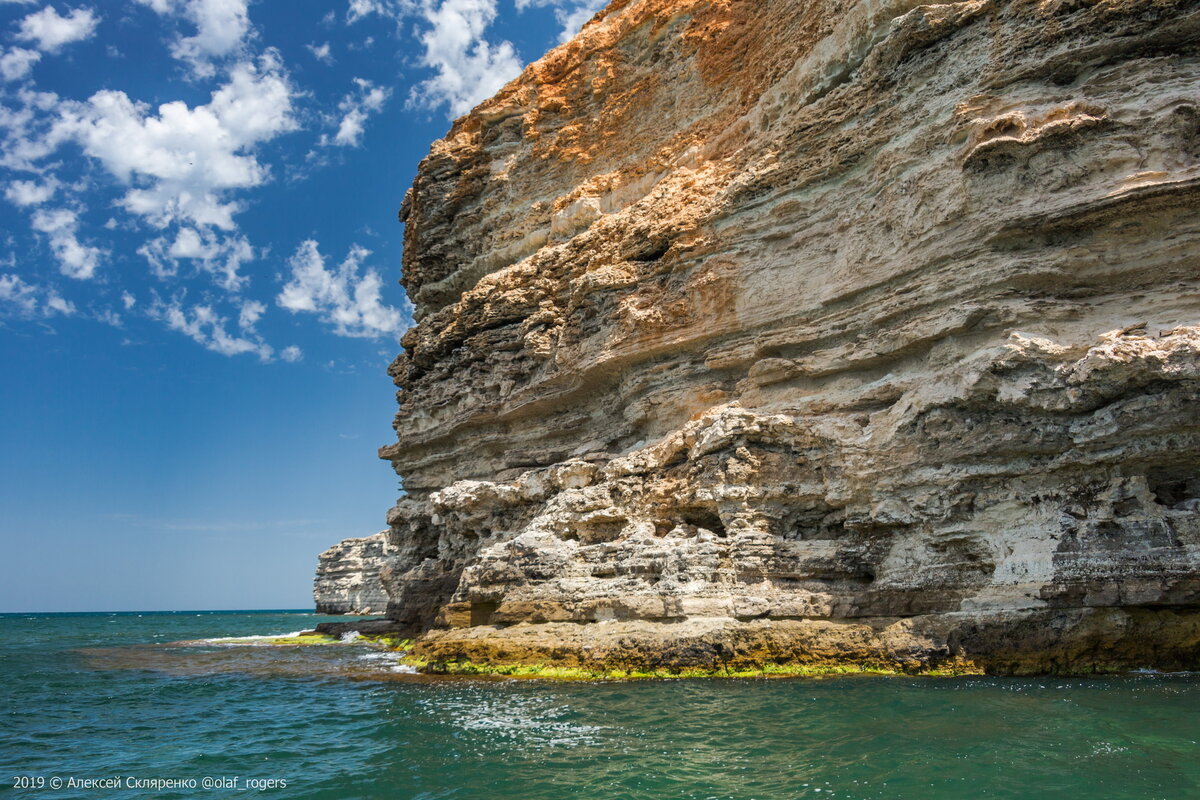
(527, 720)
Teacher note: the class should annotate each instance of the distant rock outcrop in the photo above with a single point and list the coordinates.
(813, 332)
(347, 579)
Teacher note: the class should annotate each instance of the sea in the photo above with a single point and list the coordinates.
(150, 705)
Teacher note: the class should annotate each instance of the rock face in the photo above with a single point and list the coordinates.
(813, 331)
(347, 579)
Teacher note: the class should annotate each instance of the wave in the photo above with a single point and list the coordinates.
(250, 639)
(390, 660)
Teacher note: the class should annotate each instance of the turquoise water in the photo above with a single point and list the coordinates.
(84, 696)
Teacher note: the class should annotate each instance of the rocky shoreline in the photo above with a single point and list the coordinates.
(1059, 643)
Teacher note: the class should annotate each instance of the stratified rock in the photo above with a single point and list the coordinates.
(347, 579)
(813, 332)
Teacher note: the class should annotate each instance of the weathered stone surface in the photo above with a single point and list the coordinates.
(813, 332)
(347, 579)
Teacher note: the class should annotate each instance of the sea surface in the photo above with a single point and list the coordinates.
(103, 696)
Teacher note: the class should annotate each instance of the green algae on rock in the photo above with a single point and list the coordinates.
(766, 670)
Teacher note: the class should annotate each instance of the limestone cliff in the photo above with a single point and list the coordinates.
(813, 331)
(347, 579)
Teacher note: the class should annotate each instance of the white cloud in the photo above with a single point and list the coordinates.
(322, 52)
(220, 256)
(222, 27)
(291, 354)
(27, 127)
(16, 62)
(128, 300)
(56, 305)
(49, 31)
(61, 226)
(355, 108)
(181, 166)
(391, 9)
(469, 69)
(182, 161)
(251, 312)
(109, 317)
(361, 8)
(18, 298)
(206, 327)
(350, 302)
(571, 14)
(30, 193)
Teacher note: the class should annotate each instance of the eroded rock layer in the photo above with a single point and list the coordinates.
(347, 579)
(813, 332)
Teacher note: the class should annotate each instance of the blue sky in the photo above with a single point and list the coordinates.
(198, 279)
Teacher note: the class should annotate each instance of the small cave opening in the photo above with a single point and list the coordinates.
(705, 518)
(650, 250)
(810, 522)
(1173, 488)
(481, 613)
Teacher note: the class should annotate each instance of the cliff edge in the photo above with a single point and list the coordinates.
(812, 332)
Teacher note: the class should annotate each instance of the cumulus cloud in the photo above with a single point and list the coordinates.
(30, 193)
(291, 354)
(392, 9)
(61, 226)
(181, 166)
(343, 298)
(321, 52)
(26, 117)
(355, 108)
(181, 162)
(49, 31)
(571, 14)
(205, 326)
(109, 317)
(56, 305)
(222, 27)
(248, 317)
(18, 296)
(21, 299)
(17, 62)
(220, 256)
(468, 68)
